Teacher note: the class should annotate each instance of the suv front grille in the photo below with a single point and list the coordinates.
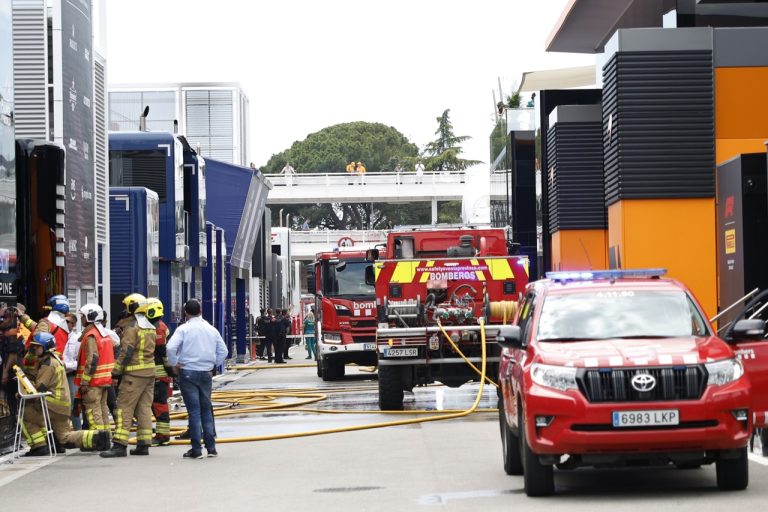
(615, 384)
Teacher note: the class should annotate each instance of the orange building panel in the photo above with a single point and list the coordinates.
(580, 249)
(676, 234)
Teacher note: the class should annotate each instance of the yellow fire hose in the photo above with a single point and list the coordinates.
(461, 354)
(307, 397)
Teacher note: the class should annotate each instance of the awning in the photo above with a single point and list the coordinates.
(586, 25)
(564, 78)
(236, 197)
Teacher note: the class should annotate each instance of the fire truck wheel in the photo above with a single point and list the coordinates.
(332, 370)
(319, 368)
(390, 388)
(510, 445)
(733, 474)
(539, 479)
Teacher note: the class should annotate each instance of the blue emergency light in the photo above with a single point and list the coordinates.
(612, 275)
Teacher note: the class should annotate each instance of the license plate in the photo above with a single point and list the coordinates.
(369, 346)
(401, 352)
(646, 418)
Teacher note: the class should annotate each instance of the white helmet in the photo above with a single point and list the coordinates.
(92, 313)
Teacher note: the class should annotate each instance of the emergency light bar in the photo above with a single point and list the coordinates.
(605, 274)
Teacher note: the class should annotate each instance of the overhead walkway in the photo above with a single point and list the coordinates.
(305, 244)
(377, 187)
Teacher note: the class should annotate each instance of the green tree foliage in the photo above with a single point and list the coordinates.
(443, 153)
(379, 147)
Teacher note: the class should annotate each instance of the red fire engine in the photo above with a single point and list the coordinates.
(437, 282)
(342, 282)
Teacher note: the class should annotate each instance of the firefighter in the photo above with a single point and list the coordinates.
(94, 367)
(55, 323)
(131, 303)
(51, 377)
(136, 366)
(163, 374)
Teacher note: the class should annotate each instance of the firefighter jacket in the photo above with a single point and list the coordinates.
(163, 371)
(52, 377)
(137, 350)
(96, 360)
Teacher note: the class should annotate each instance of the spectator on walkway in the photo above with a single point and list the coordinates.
(350, 172)
(194, 350)
(360, 170)
(289, 172)
(398, 174)
(419, 172)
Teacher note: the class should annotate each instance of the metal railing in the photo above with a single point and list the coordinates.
(369, 178)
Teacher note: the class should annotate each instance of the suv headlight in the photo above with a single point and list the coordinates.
(723, 372)
(332, 338)
(558, 377)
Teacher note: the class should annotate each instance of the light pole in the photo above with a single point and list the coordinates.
(280, 215)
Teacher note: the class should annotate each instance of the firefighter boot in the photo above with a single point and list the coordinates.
(117, 450)
(141, 449)
(161, 440)
(101, 440)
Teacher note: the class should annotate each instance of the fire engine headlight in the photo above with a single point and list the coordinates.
(558, 377)
(723, 372)
(339, 307)
(331, 337)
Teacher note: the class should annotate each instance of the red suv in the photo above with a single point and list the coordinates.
(614, 368)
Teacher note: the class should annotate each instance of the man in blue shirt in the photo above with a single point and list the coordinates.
(194, 349)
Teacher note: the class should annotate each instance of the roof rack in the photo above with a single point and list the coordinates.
(612, 275)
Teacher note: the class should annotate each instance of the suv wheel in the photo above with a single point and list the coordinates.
(390, 388)
(510, 445)
(539, 479)
(733, 474)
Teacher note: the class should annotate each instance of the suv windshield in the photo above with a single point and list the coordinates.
(346, 278)
(625, 313)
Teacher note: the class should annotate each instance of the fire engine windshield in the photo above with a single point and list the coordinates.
(591, 315)
(345, 278)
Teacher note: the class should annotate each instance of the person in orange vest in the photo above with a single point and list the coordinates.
(350, 172)
(51, 377)
(136, 366)
(360, 170)
(55, 323)
(163, 374)
(94, 367)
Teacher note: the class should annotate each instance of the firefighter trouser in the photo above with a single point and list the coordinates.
(34, 429)
(134, 399)
(160, 407)
(96, 410)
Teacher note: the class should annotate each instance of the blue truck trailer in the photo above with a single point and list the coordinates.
(155, 160)
(134, 227)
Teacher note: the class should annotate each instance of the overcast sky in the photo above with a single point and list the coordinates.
(309, 64)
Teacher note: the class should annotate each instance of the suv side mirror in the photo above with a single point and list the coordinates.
(509, 336)
(748, 330)
(370, 276)
(371, 255)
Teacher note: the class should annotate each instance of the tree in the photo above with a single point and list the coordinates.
(443, 153)
(380, 147)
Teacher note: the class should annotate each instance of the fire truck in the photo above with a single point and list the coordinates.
(434, 284)
(345, 310)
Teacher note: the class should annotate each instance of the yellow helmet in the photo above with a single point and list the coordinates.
(152, 308)
(133, 301)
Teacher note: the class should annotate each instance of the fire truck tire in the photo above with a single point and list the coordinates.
(390, 388)
(332, 370)
(319, 368)
(539, 479)
(733, 474)
(510, 445)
